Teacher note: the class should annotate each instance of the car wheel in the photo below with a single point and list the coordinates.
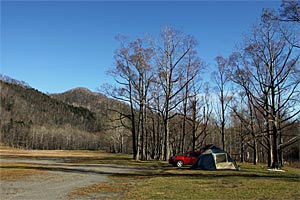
(179, 163)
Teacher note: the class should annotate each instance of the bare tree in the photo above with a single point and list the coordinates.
(156, 109)
(187, 109)
(221, 78)
(170, 54)
(290, 11)
(133, 76)
(201, 110)
(289, 14)
(270, 63)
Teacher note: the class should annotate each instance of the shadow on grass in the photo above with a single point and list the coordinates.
(119, 171)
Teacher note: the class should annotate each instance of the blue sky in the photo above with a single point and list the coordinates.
(59, 45)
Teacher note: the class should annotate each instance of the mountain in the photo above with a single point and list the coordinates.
(82, 97)
(75, 119)
(98, 103)
(27, 114)
(28, 105)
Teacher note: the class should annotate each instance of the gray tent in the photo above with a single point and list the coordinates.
(214, 158)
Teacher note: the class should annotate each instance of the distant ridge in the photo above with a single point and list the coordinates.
(8, 79)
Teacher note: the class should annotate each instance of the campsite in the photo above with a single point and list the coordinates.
(130, 179)
(214, 158)
(149, 100)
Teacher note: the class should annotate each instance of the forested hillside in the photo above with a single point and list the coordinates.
(28, 105)
(111, 114)
(32, 119)
(84, 98)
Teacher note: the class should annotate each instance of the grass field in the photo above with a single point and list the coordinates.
(158, 180)
(251, 182)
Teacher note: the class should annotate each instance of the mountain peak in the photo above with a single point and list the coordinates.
(82, 97)
(80, 89)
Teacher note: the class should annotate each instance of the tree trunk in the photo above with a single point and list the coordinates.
(255, 157)
(167, 142)
(274, 127)
(194, 110)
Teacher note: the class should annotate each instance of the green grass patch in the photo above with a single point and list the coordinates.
(187, 187)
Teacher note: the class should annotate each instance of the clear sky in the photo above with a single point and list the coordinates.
(55, 46)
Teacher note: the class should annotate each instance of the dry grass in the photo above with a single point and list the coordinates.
(12, 171)
(25, 153)
(117, 188)
(18, 171)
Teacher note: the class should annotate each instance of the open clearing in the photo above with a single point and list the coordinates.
(28, 174)
(39, 174)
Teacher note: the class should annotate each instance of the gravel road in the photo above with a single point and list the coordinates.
(58, 182)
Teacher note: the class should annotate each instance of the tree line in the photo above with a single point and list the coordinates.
(248, 107)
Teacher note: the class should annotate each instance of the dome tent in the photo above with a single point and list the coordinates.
(214, 158)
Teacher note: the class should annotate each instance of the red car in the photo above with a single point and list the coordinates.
(187, 159)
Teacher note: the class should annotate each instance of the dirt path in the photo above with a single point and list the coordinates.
(59, 181)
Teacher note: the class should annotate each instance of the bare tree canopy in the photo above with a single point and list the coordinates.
(267, 70)
(290, 11)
